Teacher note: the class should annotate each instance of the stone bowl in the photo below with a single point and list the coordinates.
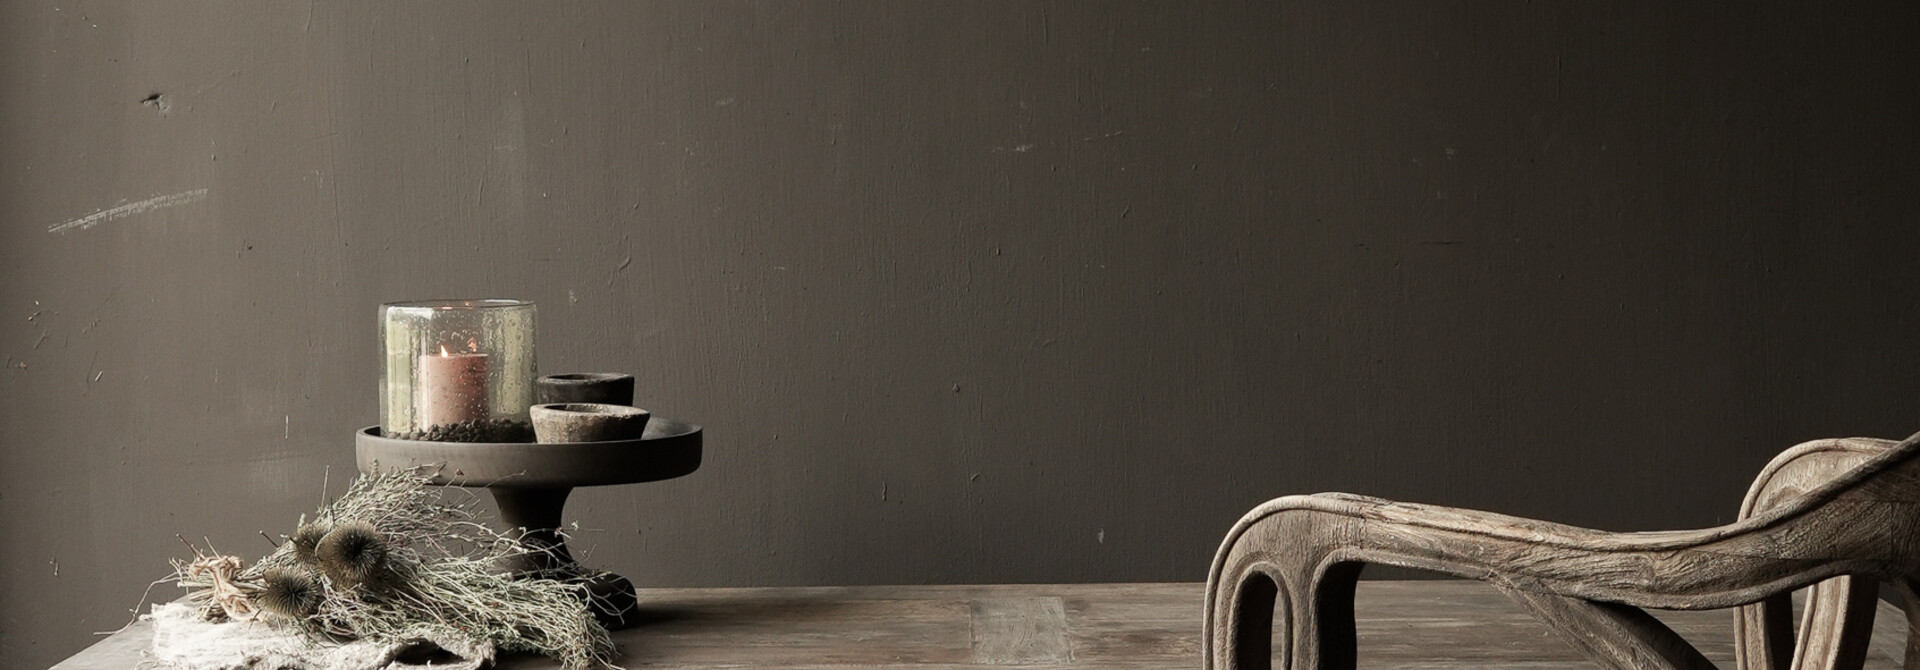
(587, 422)
(610, 388)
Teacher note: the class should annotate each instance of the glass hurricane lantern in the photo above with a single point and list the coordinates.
(457, 370)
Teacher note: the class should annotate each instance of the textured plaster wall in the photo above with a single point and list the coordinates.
(964, 292)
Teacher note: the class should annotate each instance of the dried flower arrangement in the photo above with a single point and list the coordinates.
(393, 560)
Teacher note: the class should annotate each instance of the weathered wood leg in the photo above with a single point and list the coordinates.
(1616, 636)
(1245, 592)
(1910, 600)
(1838, 621)
(1253, 623)
(1837, 625)
(1261, 584)
(1763, 634)
(1331, 626)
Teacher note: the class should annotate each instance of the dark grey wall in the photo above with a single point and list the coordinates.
(964, 292)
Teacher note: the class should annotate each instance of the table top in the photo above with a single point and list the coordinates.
(1431, 625)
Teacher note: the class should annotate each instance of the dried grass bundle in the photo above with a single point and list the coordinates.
(393, 560)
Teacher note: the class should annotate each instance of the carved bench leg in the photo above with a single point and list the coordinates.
(1763, 634)
(1263, 581)
(1240, 619)
(1910, 599)
(1616, 636)
(1838, 621)
(1834, 631)
(1838, 624)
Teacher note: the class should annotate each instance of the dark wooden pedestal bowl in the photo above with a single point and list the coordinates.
(530, 483)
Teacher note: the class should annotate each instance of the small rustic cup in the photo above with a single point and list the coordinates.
(587, 422)
(609, 388)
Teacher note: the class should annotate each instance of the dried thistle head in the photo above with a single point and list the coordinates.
(306, 541)
(289, 593)
(352, 553)
(427, 565)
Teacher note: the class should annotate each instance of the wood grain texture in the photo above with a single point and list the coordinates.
(1835, 515)
(1400, 625)
(1020, 631)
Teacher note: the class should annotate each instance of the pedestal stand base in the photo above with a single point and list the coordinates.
(611, 599)
(535, 512)
(530, 483)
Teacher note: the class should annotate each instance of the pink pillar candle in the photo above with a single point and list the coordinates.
(451, 388)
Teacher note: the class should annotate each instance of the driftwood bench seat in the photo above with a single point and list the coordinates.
(1837, 517)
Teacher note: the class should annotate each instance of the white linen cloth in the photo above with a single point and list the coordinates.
(183, 641)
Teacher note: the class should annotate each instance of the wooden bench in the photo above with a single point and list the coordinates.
(1834, 519)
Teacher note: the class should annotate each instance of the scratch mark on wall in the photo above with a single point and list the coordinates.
(130, 209)
(230, 74)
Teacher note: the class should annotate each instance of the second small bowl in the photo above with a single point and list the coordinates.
(587, 422)
(612, 388)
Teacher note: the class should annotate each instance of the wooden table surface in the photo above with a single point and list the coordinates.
(1431, 625)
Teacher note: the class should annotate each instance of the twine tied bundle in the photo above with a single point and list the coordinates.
(218, 573)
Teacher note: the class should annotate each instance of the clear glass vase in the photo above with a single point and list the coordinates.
(457, 370)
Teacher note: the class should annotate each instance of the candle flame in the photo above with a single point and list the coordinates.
(443, 351)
